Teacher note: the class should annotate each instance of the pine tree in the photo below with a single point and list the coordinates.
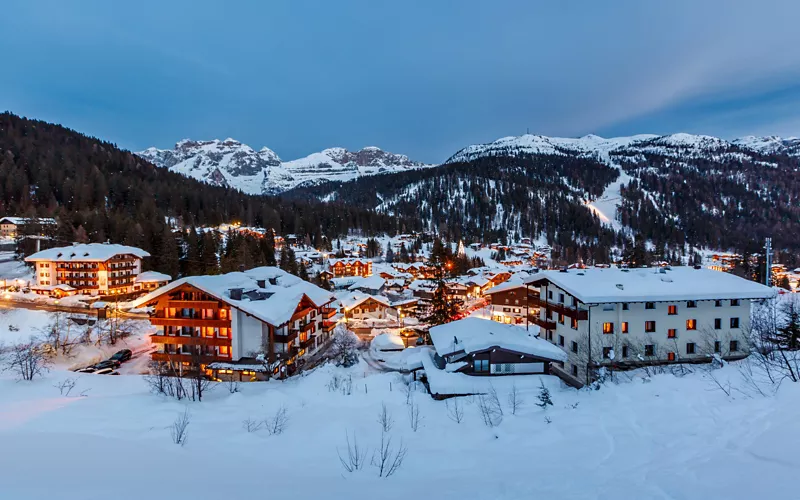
(443, 308)
(544, 397)
(303, 273)
(389, 253)
(788, 336)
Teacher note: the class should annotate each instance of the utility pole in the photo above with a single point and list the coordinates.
(768, 259)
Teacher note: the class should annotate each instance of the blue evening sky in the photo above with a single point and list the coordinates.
(420, 77)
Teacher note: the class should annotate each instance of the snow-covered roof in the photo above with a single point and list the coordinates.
(505, 286)
(476, 334)
(86, 252)
(277, 305)
(354, 299)
(151, 277)
(593, 286)
(25, 220)
(371, 283)
(348, 261)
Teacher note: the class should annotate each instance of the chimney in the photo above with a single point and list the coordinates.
(235, 293)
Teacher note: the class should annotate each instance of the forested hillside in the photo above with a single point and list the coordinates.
(98, 192)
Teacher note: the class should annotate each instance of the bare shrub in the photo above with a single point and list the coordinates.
(251, 425)
(342, 384)
(385, 418)
(515, 401)
(66, 386)
(278, 422)
(356, 456)
(179, 430)
(490, 410)
(414, 417)
(455, 410)
(548, 420)
(27, 359)
(232, 384)
(386, 459)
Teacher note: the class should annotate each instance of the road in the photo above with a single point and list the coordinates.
(12, 304)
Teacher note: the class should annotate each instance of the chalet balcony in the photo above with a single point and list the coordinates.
(309, 342)
(214, 323)
(327, 326)
(181, 340)
(301, 313)
(546, 324)
(308, 326)
(285, 339)
(193, 304)
(328, 312)
(570, 312)
(186, 358)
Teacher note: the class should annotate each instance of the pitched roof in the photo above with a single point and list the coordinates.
(354, 299)
(278, 302)
(505, 286)
(592, 286)
(151, 276)
(476, 334)
(86, 252)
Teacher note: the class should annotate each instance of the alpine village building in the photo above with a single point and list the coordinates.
(100, 269)
(242, 325)
(631, 317)
(350, 266)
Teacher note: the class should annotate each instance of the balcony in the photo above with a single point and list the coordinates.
(308, 326)
(217, 323)
(309, 342)
(180, 340)
(546, 324)
(328, 312)
(285, 339)
(301, 313)
(186, 358)
(570, 312)
(193, 304)
(327, 326)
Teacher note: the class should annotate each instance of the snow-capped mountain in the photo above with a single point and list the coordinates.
(233, 164)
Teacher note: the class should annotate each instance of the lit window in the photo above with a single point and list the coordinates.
(672, 333)
(624, 327)
(574, 323)
(670, 356)
(649, 326)
(672, 310)
(224, 350)
(608, 327)
(691, 324)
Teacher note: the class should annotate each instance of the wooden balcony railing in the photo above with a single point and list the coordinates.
(328, 326)
(570, 312)
(193, 304)
(328, 312)
(546, 324)
(301, 313)
(308, 326)
(309, 342)
(181, 340)
(188, 358)
(218, 323)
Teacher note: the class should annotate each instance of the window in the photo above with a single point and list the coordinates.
(734, 302)
(649, 326)
(717, 346)
(561, 298)
(624, 327)
(561, 340)
(574, 347)
(481, 365)
(561, 318)
(608, 307)
(224, 350)
(691, 303)
(672, 310)
(550, 295)
(574, 371)
(607, 352)
(624, 351)
(670, 356)
(690, 348)
(649, 350)
(649, 305)
(717, 323)
(717, 303)
(573, 323)
(608, 327)
(574, 302)
(734, 322)
(624, 306)
(672, 333)
(734, 345)
(691, 324)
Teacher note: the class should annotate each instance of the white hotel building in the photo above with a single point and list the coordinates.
(630, 317)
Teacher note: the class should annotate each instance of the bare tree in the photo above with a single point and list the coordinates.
(515, 400)
(251, 425)
(385, 418)
(27, 359)
(278, 422)
(179, 431)
(232, 384)
(386, 459)
(414, 417)
(490, 409)
(356, 456)
(65, 386)
(455, 410)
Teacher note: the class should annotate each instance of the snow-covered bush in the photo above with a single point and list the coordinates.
(344, 349)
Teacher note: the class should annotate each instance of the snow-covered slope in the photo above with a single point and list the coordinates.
(233, 164)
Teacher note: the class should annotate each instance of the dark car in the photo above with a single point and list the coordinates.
(109, 363)
(121, 356)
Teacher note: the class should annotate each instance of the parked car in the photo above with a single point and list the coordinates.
(88, 369)
(109, 363)
(104, 371)
(122, 356)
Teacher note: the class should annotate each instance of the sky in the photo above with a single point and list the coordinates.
(419, 77)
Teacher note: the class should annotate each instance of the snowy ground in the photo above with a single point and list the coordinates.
(669, 438)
